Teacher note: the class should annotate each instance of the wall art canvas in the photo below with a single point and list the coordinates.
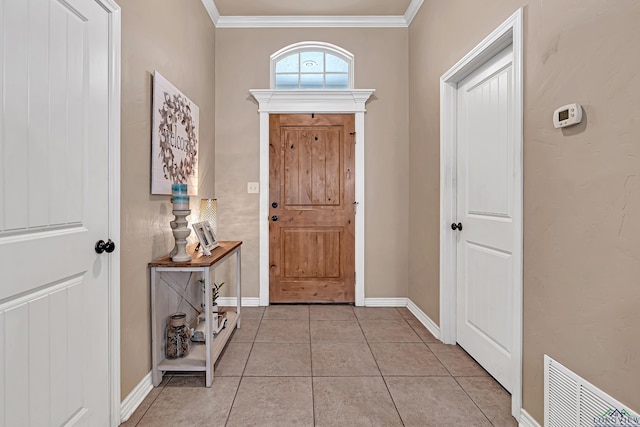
(174, 139)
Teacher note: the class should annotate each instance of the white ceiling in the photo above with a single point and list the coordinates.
(311, 13)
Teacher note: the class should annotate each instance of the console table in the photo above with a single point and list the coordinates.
(202, 356)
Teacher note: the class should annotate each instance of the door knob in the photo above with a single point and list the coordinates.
(274, 205)
(457, 226)
(274, 218)
(107, 247)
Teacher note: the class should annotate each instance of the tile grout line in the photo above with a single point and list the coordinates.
(440, 360)
(455, 378)
(472, 399)
(243, 370)
(152, 402)
(379, 370)
(313, 397)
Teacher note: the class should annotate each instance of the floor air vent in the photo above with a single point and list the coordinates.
(571, 401)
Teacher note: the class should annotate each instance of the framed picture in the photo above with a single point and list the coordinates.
(206, 237)
(174, 139)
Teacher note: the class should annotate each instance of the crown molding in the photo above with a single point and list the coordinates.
(312, 22)
(212, 10)
(391, 21)
(412, 10)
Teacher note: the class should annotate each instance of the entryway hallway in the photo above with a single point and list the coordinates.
(328, 365)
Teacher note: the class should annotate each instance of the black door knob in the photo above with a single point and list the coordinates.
(274, 218)
(102, 246)
(457, 226)
(274, 205)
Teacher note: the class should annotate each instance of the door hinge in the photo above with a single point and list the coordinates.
(355, 207)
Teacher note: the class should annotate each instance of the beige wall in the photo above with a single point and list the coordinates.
(381, 63)
(581, 185)
(178, 40)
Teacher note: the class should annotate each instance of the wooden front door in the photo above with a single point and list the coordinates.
(312, 210)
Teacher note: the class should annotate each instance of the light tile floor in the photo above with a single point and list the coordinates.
(324, 365)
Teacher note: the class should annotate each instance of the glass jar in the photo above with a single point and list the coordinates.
(178, 336)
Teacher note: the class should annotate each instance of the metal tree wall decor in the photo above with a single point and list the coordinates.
(174, 139)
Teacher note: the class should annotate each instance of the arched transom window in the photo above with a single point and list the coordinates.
(312, 65)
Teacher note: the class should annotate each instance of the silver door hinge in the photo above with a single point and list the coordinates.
(355, 209)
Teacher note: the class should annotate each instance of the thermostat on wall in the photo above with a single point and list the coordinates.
(567, 115)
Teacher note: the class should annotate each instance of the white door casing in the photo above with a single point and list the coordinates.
(349, 101)
(510, 33)
(59, 194)
(485, 167)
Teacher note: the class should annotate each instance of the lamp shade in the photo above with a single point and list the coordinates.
(209, 212)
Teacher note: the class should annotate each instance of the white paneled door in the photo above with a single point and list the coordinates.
(485, 203)
(54, 204)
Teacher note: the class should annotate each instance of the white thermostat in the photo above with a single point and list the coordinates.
(567, 115)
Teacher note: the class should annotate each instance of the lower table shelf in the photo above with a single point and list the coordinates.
(195, 361)
(221, 339)
(197, 358)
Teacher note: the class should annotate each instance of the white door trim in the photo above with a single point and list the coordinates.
(114, 206)
(509, 33)
(307, 101)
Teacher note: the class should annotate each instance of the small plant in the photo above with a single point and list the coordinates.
(215, 290)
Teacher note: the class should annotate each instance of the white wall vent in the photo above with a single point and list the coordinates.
(571, 401)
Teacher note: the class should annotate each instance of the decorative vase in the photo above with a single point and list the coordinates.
(181, 210)
(178, 336)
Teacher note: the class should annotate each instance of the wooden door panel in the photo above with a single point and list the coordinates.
(321, 291)
(310, 253)
(312, 244)
(311, 166)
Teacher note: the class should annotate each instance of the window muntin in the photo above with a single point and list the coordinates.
(312, 66)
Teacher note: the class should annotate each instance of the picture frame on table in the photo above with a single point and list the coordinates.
(206, 237)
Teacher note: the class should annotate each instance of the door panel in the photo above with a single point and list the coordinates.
(312, 244)
(53, 208)
(485, 207)
(487, 287)
(308, 254)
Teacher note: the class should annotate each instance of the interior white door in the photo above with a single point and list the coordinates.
(54, 176)
(485, 206)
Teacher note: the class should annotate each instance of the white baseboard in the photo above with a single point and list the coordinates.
(424, 319)
(232, 301)
(527, 420)
(135, 398)
(385, 302)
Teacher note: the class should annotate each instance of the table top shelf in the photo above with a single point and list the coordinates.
(198, 259)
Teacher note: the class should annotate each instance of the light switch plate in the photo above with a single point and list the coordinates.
(253, 187)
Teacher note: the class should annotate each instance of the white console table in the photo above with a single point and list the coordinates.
(202, 356)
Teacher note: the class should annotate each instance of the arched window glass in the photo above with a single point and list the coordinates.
(312, 65)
